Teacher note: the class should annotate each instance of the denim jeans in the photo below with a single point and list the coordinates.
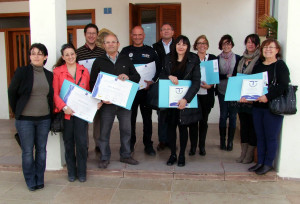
(226, 112)
(267, 127)
(75, 134)
(33, 134)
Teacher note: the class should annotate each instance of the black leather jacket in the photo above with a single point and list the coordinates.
(192, 72)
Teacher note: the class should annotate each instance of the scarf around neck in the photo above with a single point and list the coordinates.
(253, 57)
(226, 58)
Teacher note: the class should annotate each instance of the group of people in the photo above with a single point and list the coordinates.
(34, 97)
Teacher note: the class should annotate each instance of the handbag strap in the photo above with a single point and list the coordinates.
(274, 81)
(80, 77)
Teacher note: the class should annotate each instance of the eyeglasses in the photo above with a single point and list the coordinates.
(37, 54)
(200, 43)
(269, 47)
(110, 42)
(226, 44)
(88, 33)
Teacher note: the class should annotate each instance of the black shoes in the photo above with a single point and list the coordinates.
(150, 151)
(263, 170)
(255, 167)
(71, 178)
(103, 164)
(82, 179)
(97, 149)
(38, 187)
(161, 146)
(229, 146)
(181, 161)
(202, 151)
(192, 152)
(172, 160)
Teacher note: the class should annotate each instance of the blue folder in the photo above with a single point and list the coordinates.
(132, 94)
(212, 77)
(234, 86)
(163, 93)
(67, 88)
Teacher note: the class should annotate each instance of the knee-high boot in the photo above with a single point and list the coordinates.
(231, 132)
(244, 147)
(222, 138)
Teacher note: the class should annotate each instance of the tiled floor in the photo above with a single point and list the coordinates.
(215, 178)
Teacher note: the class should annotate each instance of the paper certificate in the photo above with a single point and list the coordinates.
(79, 100)
(147, 72)
(176, 93)
(211, 68)
(88, 63)
(109, 88)
(252, 89)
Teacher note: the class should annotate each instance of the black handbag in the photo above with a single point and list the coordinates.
(152, 96)
(57, 124)
(286, 103)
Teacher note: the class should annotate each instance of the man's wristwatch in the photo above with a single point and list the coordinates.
(65, 108)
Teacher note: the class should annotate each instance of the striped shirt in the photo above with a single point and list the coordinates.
(84, 52)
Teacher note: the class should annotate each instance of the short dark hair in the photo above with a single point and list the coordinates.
(90, 25)
(254, 38)
(268, 42)
(41, 47)
(167, 24)
(226, 37)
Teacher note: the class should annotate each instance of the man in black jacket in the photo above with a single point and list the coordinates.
(142, 54)
(121, 66)
(163, 47)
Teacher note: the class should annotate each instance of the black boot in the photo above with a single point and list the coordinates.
(202, 139)
(231, 132)
(222, 138)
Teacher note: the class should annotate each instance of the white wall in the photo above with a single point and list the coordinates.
(213, 18)
(4, 111)
(288, 36)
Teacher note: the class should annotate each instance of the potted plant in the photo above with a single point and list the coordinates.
(271, 24)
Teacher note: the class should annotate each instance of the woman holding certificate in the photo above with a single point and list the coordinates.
(227, 63)
(268, 125)
(31, 99)
(75, 129)
(248, 138)
(206, 100)
(181, 64)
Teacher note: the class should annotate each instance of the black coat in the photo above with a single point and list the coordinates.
(191, 72)
(160, 50)
(123, 65)
(20, 88)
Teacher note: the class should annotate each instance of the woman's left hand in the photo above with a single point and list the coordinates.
(99, 105)
(205, 85)
(262, 99)
(182, 104)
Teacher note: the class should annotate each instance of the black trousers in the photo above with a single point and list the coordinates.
(247, 130)
(74, 134)
(140, 100)
(199, 130)
(173, 122)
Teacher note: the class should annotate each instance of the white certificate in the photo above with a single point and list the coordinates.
(109, 88)
(147, 72)
(88, 63)
(176, 93)
(202, 91)
(252, 89)
(81, 102)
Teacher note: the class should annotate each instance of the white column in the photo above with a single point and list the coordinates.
(288, 36)
(48, 25)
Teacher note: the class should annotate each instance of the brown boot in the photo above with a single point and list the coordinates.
(249, 155)
(244, 147)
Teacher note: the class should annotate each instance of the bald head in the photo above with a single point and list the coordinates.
(137, 36)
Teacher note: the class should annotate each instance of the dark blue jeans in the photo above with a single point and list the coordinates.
(33, 134)
(75, 134)
(267, 127)
(226, 111)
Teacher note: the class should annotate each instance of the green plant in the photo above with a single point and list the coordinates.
(271, 24)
